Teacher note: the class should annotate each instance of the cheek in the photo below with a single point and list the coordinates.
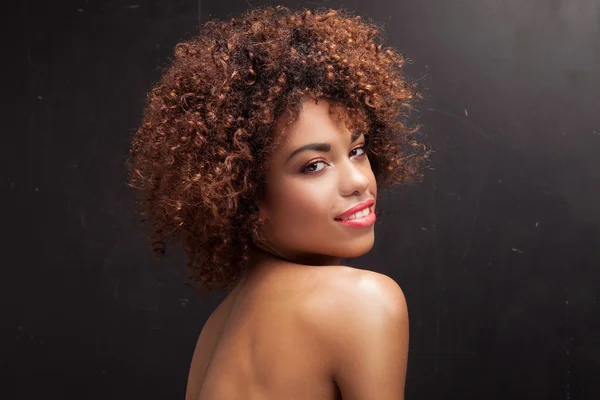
(373, 183)
(304, 204)
(368, 173)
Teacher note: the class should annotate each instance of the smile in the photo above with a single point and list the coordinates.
(360, 214)
(361, 219)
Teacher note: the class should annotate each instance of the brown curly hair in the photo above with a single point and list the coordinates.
(200, 155)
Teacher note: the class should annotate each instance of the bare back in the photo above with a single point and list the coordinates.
(258, 343)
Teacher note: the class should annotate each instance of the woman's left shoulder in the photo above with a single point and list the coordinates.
(379, 286)
(363, 288)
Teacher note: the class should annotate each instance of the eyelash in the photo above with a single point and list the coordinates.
(304, 169)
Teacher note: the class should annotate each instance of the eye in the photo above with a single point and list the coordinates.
(357, 151)
(313, 167)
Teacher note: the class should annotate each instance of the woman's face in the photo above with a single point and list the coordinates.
(318, 171)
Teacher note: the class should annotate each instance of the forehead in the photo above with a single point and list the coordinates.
(322, 122)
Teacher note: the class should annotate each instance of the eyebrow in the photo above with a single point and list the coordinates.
(322, 147)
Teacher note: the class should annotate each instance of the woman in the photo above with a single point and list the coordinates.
(260, 150)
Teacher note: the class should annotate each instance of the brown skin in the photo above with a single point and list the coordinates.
(199, 158)
(309, 332)
(208, 161)
(294, 329)
(306, 192)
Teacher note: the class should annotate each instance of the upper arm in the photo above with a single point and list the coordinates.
(369, 349)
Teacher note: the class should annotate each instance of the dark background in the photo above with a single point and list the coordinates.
(497, 250)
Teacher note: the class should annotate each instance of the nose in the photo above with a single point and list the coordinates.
(353, 180)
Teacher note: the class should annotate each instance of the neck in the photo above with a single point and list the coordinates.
(267, 255)
(262, 260)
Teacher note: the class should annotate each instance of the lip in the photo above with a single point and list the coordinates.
(359, 207)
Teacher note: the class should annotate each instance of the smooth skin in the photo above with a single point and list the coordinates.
(299, 325)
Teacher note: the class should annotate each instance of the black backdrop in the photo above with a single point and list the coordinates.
(496, 250)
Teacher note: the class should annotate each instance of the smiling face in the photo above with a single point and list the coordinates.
(318, 171)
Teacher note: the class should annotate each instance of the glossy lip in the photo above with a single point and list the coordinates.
(356, 208)
(363, 222)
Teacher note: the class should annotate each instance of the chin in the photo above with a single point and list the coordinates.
(358, 247)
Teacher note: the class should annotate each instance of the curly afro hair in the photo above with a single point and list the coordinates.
(200, 155)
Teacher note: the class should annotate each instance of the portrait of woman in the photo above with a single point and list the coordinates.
(218, 200)
(261, 150)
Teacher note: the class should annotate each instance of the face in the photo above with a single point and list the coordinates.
(318, 171)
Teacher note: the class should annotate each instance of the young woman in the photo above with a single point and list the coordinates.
(261, 149)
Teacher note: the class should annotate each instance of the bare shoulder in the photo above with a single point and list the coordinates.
(362, 321)
(378, 287)
(346, 295)
(354, 290)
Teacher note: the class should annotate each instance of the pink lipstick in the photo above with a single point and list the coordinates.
(359, 216)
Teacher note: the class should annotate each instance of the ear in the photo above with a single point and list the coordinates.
(263, 210)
